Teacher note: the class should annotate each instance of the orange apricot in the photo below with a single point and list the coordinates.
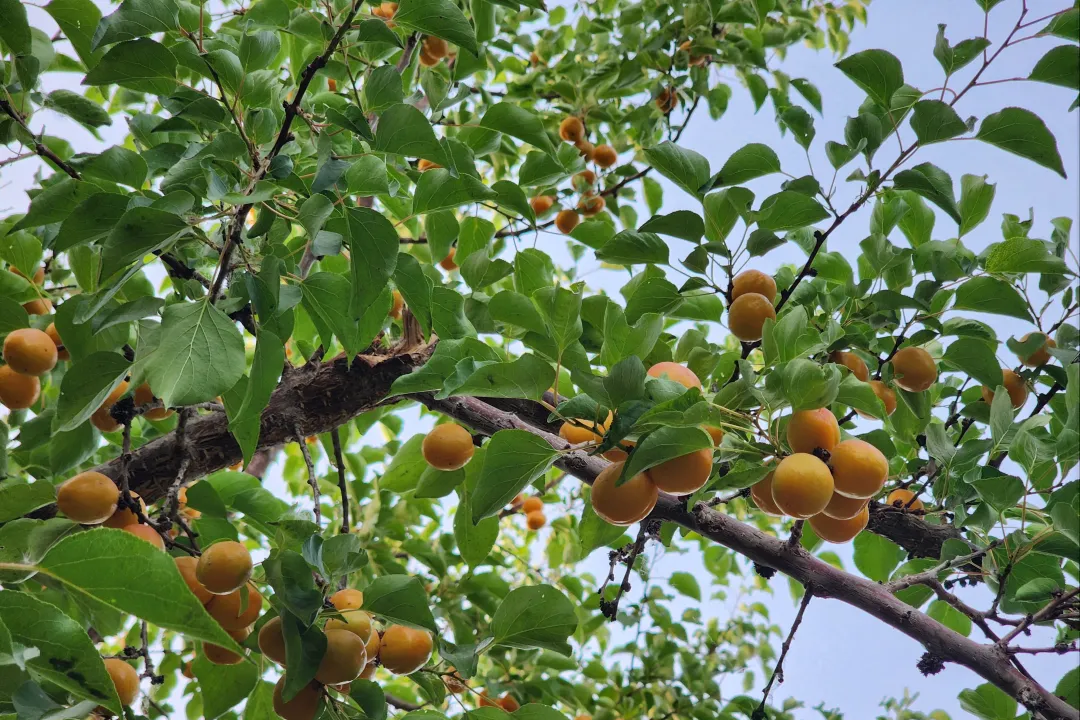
(423, 165)
(272, 640)
(355, 621)
(885, 394)
(675, 372)
(585, 149)
(604, 156)
(575, 434)
(147, 533)
(102, 418)
(535, 520)
(125, 679)
(566, 221)
(124, 517)
(370, 669)
(590, 205)
(447, 263)
(374, 644)
(303, 706)
(905, 500)
(753, 281)
(436, 47)
(667, 100)
(222, 656)
(88, 498)
(852, 362)
(620, 453)
(448, 447)
(583, 180)
(186, 565)
(30, 351)
(802, 485)
(1041, 356)
(224, 567)
(859, 469)
(532, 504)
(453, 682)
(509, 703)
(717, 434)
(571, 129)
(143, 396)
(343, 660)
(397, 304)
(808, 430)
(833, 530)
(347, 599)
(626, 504)
(18, 391)
(405, 650)
(1014, 385)
(914, 369)
(61, 352)
(844, 508)
(226, 609)
(39, 274)
(540, 204)
(761, 494)
(683, 475)
(40, 306)
(747, 314)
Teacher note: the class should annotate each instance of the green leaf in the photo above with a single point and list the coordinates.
(991, 295)
(976, 358)
(400, 599)
(78, 20)
(877, 72)
(326, 297)
(19, 498)
(441, 18)
(932, 183)
(514, 308)
(135, 19)
(382, 89)
(1001, 492)
(685, 168)
(789, 210)
(808, 385)
(373, 246)
(77, 107)
(682, 224)
(265, 370)
(199, 356)
(512, 460)
(140, 231)
(67, 656)
(294, 587)
(748, 162)
(632, 247)
(516, 121)
(367, 176)
(988, 702)
(950, 617)
(538, 616)
(860, 396)
(594, 532)
(561, 310)
(934, 121)
(143, 65)
(438, 189)
(528, 376)
(664, 444)
(474, 542)
(1060, 66)
(55, 203)
(407, 466)
(1022, 133)
(876, 557)
(686, 584)
(15, 30)
(97, 563)
(223, 687)
(953, 58)
(369, 695)
(976, 197)
(1023, 255)
(1068, 688)
(403, 130)
(85, 386)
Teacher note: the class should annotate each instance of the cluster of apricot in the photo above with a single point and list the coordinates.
(387, 11)
(432, 49)
(590, 203)
(752, 294)
(1014, 383)
(533, 509)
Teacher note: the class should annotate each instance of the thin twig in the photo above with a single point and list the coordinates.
(335, 435)
(778, 671)
(312, 480)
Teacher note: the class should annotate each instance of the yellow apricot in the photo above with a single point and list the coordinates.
(224, 567)
(753, 281)
(124, 517)
(40, 306)
(532, 504)
(125, 679)
(88, 498)
(535, 520)
(147, 533)
(585, 149)
(541, 204)
(626, 504)
(1041, 356)
(186, 565)
(374, 645)
(808, 430)
(343, 660)
(859, 469)
(914, 369)
(620, 453)
(844, 508)
(802, 485)
(571, 129)
(423, 164)
(222, 656)
(1014, 385)
(436, 47)
(839, 531)
(226, 609)
(675, 372)
(604, 156)
(18, 391)
(61, 354)
(448, 447)
(581, 431)
(885, 394)
(761, 494)
(30, 351)
(347, 599)
(405, 650)
(852, 362)
(583, 180)
(355, 621)
(683, 475)
(667, 100)
(566, 221)
(303, 706)
(143, 396)
(590, 204)
(272, 641)
(747, 314)
(397, 304)
(102, 419)
(905, 500)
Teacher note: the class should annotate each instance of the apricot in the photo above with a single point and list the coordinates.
(695, 58)
(914, 369)
(683, 475)
(802, 485)
(124, 517)
(535, 520)
(844, 508)
(859, 469)
(509, 703)
(1041, 356)
(808, 430)
(905, 500)
(852, 362)
(447, 263)
(566, 221)
(1014, 385)
(272, 641)
(761, 494)
(224, 567)
(343, 660)
(226, 609)
(143, 396)
(485, 700)
(369, 670)
(717, 434)
(448, 447)
(423, 165)
(147, 533)
(221, 656)
(374, 645)
(532, 504)
(583, 180)
(585, 149)
(453, 682)
(355, 621)
(187, 672)
(753, 281)
(747, 314)
(397, 304)
(331, 85)
(427, 59)
(41, 306)
(61, 352)
(102, 418)
(30, 351)
(667, 100)
(88, 498)
(18, 391)
(833, 530)
(125, 679)
(186, 565)
(604, 156)
(571, 129)
(675, 372)
(347, 599)
(626, 504)
(583, 431)
(620, 453)
(303, 706)
(39, 274)
(590, 205)
(541, 204)
(436, 47)
(405, 650)
(885, 394)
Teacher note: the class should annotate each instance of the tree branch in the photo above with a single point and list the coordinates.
(39, 149)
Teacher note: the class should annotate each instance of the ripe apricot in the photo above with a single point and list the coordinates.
(604, 156)
(583, 431)
(626, 504)
(347, 599)
(423, 165)
(448, 447)
(226, 609)
(436, 47)
(186, 565)
(583, 180)
(39, 274)
(374, 645)
(331, 85)
(29, 351)
(447, 263)
(914, 369)
(272, 641)
(695, 58)
(761, 494)
(18, 391)
(905, 500)
(41, 306)
(369, 670)
(620, 453)
(221, 656)
(852, 362)
(541, 204)
(427, 59)
(485, 700)
(1014, 384)
(186, 671)
(102, 419)
(885, 394)
(88, 498)
(508, 703)
(532, 504)
(675, 372)
(571, 129)
(303, 706)
(397, 304)
(535, 520)
(753, 281)
(833, 530)
(61, 354)
(717, 434)
(808, 430)
(147, 533)
(859, 469)
(124, 517)
(683, 475)
(224, 567)
(667, 100)
(844, 508)
(343, 660)
(590, 205)
(566, 221)
(125, 679)
(405, 650)
(585, 149)
(747, 314)
(1041, 356)
(143, 396)
(355, 621)
(802, 485)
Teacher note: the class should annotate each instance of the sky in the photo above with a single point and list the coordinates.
(841, 657)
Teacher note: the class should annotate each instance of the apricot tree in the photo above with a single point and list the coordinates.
(308, 229)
